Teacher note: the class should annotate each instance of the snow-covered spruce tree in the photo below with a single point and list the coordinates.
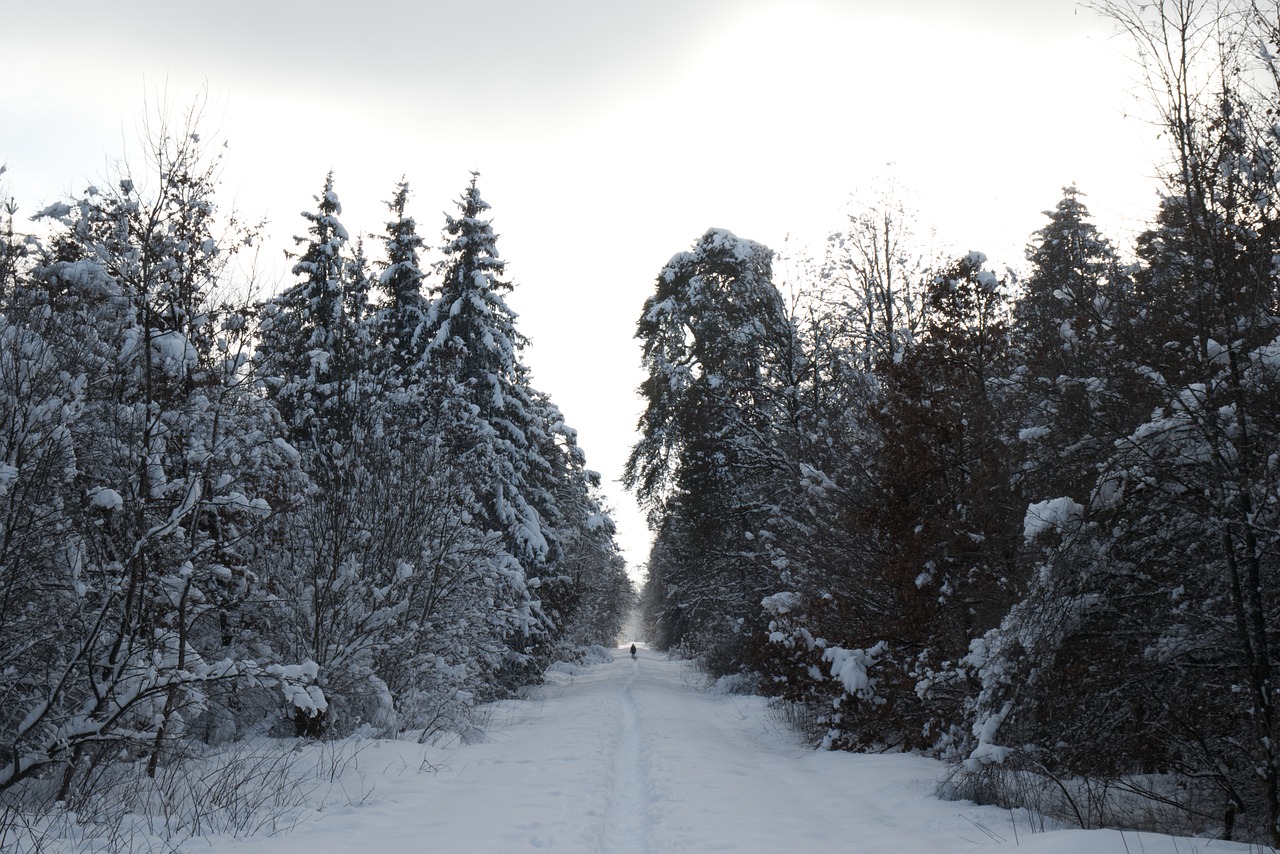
(303, 359)
(716, 340)
(1070, 329)
(1069, 298)
(401, 322)
(340, 594)
(129, 418)
(428, 538)
(451, 640)
(1072, 396)
(15, 248)
(474, 354)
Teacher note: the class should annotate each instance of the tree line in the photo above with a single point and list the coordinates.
(342, 508)
(1030, 525)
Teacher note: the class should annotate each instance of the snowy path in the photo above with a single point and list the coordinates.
(627, 828)
(631, 758)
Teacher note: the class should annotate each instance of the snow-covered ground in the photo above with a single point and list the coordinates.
(631, 757)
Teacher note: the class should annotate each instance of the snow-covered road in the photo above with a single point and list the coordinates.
(633, 758)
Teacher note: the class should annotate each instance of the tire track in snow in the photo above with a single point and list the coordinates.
(626, 828)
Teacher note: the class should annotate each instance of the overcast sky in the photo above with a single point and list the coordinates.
(608, 135)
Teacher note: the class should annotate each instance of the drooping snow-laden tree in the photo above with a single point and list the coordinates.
(717, 350)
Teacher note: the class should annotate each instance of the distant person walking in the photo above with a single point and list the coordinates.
(633, 652)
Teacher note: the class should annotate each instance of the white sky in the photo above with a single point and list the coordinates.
(609, 135)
